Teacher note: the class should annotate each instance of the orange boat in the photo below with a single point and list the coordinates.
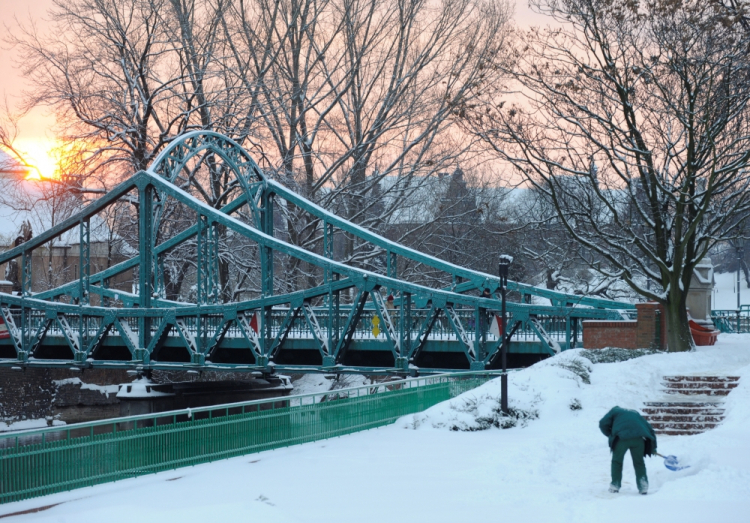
(701, 335)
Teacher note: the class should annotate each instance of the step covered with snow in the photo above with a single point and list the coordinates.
(700, 385)
(699, 410)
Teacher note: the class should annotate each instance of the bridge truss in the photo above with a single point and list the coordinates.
(338, 323)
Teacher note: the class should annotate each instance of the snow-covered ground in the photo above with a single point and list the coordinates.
(551, 467)
(312, 383)
(28, 424)
(725, 291)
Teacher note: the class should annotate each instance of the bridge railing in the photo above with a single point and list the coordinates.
(732, 320)
(45, 461)
(442, 330)
(555, 326)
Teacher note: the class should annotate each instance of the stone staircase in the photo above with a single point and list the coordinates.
(698, 409)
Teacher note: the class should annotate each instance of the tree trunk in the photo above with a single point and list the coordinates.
(679, 338)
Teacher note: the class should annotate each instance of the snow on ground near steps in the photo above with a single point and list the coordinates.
(549, 469)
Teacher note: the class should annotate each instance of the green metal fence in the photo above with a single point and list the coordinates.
(39, 462)
(732, 320)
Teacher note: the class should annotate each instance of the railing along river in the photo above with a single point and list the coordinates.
(44, 461)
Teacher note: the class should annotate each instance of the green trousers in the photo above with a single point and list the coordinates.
(636, 447)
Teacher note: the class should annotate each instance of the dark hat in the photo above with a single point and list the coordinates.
(390, 297)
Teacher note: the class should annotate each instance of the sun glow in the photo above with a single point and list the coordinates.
(41, 157)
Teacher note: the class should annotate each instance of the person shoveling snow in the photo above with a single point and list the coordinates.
(628, 430)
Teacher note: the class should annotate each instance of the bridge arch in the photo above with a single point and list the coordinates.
(175, 156)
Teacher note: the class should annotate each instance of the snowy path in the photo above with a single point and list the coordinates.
(556, 468)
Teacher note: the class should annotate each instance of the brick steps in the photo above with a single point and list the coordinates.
(705, 392)
(692, 385)
(705, 379)
(685, 404)
(685, 418)
(700, 385)
(689, 418)
(689, 426)
(678, 410)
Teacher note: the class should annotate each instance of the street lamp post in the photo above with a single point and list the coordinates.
(502, 271)
(740, 253)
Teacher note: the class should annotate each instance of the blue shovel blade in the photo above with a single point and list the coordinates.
(672, 463)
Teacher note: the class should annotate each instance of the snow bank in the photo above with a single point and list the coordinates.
(314, 383)
(550, 388)
(558, 390)
(102, 389)
(29, 424)
(564, 397)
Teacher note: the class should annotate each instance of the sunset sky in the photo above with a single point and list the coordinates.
(11, 82)
(36, 139)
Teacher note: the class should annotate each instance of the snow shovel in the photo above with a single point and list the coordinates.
(672, 463)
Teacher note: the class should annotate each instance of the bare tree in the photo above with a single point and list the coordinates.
(337, 98)
(351, 92)
(125, 78)
(632, 119)
(104, 69)
(9, 128)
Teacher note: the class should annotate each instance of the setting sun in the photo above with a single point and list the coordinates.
(40, 157)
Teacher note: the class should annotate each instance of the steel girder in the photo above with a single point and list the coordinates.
(475, 279)
(148, 322)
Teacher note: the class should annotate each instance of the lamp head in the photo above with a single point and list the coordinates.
(503, 265)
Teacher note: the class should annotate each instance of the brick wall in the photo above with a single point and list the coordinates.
(601, 334)
(651, 320)
(73, 397)
(648, 332)
(61, 394)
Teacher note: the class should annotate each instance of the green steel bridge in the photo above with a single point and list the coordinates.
(340, 323)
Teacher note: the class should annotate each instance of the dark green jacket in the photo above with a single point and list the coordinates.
(621, 423)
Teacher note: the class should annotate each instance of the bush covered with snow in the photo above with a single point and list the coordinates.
(612, 355)
(558, 388)
(554, 381)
